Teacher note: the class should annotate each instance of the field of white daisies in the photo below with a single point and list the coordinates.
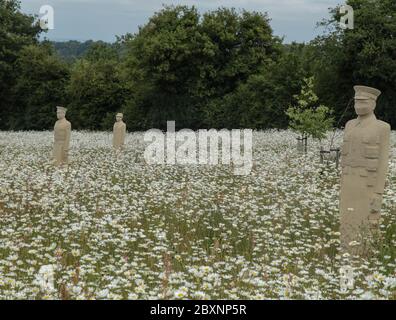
(117, 228)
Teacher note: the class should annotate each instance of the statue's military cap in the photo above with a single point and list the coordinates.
(364, 93)
(61, 109)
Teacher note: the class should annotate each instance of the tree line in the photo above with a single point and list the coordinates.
(220, 69)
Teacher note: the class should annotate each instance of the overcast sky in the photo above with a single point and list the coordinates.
(103, 19)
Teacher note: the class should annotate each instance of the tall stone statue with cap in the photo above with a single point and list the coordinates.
(119, 132)
(62, 132)
(364, 161)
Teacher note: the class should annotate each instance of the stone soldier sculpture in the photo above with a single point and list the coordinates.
(119, 132)
(364, 161)
(62, 132)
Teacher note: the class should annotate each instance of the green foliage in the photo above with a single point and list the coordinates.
(16, 31)
(260, 101)
(307, 117)
(95, 91)
(39, 87)
(219, 69)
(73, 50)
(364, 55)
(180, 62)
(163, 66)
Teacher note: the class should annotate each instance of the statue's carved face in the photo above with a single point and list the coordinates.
(118, 118)
(60, 115)
(364, 107)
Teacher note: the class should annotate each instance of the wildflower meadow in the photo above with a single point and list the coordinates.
(113, 227)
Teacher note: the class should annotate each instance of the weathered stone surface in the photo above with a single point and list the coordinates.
(365, 156)
(119, 133)
(62, 133)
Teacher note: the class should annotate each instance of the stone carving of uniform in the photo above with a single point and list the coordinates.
(62, 132)
(119, 133)
(365, 156)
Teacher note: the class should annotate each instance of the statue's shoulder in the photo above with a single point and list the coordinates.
(350, 123)
(383, 126)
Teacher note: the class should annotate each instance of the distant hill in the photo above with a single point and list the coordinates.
(72, 50)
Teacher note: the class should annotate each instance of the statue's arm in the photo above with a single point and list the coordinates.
(348, 125)
(345, 146)
(68, 134)
(382, 171)
(123, 134)
(383, 164)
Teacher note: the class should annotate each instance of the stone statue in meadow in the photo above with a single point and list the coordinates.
(364, 161)
(119, 133)
(62, 132)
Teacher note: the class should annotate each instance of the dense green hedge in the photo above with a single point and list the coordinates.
(220, 69)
